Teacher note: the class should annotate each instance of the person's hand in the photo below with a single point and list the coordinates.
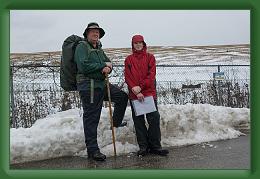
(136, 90)
(140, 97)
(109, 64)
(106, 70)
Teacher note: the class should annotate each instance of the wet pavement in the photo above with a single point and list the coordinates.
(226, 154)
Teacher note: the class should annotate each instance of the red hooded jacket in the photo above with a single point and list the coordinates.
(140, 70)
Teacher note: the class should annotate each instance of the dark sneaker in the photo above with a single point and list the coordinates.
(123, 124)
(98, 156)
(162, 152)
(142, 152)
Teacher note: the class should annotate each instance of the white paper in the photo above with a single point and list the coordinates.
(144, 107)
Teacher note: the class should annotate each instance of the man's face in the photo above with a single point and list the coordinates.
(138, 45)
(93, 35)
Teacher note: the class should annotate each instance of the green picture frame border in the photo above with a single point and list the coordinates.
(7, 5)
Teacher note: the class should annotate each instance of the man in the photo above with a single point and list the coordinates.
(93, 65)
(140, 71)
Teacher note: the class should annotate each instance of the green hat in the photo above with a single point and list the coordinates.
(94, 25)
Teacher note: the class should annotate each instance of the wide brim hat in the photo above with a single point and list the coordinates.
(94, 25)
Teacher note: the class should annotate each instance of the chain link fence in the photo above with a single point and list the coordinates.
(35, 91)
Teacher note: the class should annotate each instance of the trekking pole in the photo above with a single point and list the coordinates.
(110, 114)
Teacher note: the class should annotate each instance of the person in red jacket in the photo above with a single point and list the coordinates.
(140, 71)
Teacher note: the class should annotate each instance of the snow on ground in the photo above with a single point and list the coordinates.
(61, 134)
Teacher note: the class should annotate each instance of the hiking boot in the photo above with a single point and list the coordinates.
(142, 152)
(123, 124)
(97, 155)
(162, 152)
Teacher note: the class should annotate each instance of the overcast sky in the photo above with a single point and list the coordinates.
(45, 30)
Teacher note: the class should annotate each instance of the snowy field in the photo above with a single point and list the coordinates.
(194, 55)
(61, 134)
(170, 55)
(223, 54)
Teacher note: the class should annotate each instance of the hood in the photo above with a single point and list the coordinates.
(138, 38)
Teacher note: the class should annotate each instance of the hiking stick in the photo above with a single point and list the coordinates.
(110, 114)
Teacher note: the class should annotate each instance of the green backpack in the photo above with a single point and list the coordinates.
(68, 68)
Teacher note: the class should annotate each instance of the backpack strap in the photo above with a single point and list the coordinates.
(91, 90)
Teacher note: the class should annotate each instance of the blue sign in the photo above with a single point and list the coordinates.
(218, 76)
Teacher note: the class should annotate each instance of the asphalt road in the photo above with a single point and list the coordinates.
(226, 154)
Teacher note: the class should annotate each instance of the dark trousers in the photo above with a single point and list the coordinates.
(92, 111)
(120, 99)
(148, 137)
